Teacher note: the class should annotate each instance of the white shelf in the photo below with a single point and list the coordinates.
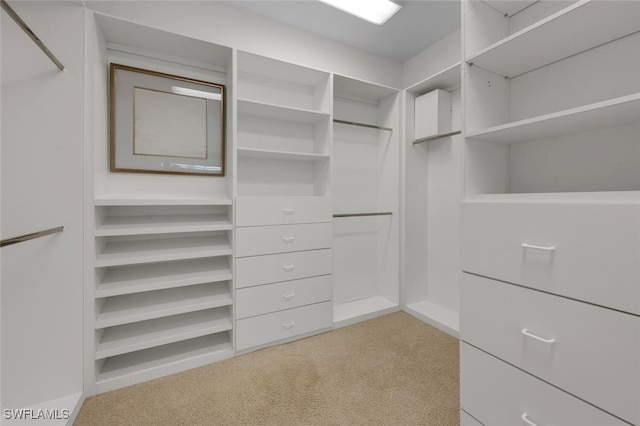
(361, 310)
(151, 224)
(440, 317)
(148, 277)
(179, 200)
(162, 303)
(608, 197)
(135, 367)
(280, 155)
(279, 112)
(147, 334)
(610, 113)
(117, 253)
(579, 27)
(448, 79)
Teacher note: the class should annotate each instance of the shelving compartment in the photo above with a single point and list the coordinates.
(365, 181)
(567, 126)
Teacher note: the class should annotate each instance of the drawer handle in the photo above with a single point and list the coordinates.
(533, 336)
(532, 247)
(288, 211)
(288, 325)
(288, 239)
(288, 296)
(288, 268)
(527, 421)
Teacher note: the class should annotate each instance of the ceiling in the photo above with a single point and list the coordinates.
(417, 25)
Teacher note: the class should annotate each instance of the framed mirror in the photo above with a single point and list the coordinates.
(162, 123)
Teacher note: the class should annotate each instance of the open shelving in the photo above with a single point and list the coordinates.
(280, 155)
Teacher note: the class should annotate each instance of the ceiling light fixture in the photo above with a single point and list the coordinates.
(374, 11)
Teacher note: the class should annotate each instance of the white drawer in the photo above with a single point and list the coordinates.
(255, 211)
(596, 353)
(268, 328)
(262, 299)
(258, 240)
(282, 267)
(467, 420)
(498, 394)
(595, 256)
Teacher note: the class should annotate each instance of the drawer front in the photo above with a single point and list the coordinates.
(282, 267)
(252, 301)
(496, 393)
(587, 252)
(259, 240)
(589, 351)
(263, 329)
(256, 211)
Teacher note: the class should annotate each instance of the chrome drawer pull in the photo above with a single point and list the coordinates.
(532, 247)
(533, 336)
(288, 268)
(288, 325)
(288, 239)
(288, 211)
(527, 421)
(288, 296)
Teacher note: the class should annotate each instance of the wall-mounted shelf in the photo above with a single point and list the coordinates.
(614, 112)
(137, 225)
(127, 309)
(158, 276)
(591, 23)
(147, 334)
(280, 155)
(128, 200)
(448, 79)
(279, 112)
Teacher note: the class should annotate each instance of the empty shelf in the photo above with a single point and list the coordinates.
(152, 224)
(615, 112)
(157, 276)
(278, 112)
(131, 308)
(155, 362)
(579, 27)
(447, 79)
(280, 155)
(146, 334)
(158, 250)
(130, 200)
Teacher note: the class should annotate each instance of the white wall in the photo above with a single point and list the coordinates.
(433, 59)
(42, 187)
(229, 26)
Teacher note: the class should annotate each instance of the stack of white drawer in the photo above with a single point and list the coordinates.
(550, 313)
(283, 267)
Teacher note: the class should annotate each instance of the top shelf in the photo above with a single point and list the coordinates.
(579, 27)
(448, 79)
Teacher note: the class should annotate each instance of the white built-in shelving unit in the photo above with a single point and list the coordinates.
(283, 265)
(160, 289)
(366, 158)
(549, 222)
(433, 188)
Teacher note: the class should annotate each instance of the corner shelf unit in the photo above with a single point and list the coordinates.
(366, 161)
(558, 55)
(163, 295)
(434, 170)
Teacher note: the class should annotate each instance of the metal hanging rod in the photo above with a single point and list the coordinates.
(363, 214)
(354, 123)
(31, 34)
(27, 237)
(431, 138)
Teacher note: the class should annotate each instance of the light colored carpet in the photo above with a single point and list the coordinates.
(392, 370)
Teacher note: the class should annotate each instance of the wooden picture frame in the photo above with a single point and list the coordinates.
(163, 123)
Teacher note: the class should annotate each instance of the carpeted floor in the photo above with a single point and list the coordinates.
(392, 370)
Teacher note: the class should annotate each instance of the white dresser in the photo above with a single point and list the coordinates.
(284, 262)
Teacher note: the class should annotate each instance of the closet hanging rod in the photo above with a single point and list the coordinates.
(27, 237)
(362, 214)
(431, 138)
(31, 34)
(354, 123)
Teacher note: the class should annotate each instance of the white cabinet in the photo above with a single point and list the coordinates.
(550, 224)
